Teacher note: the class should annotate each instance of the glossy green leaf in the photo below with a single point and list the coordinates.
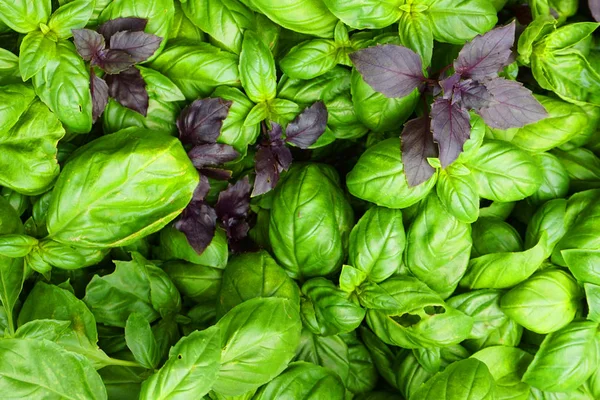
(25, 16)
(63, 84)
(190, 371)
(155, 188)
(257, 69)
(29, 367)
(259, 338)
(566, 358)
(310, 59)
(73, 15)
(379, 177)
(307, 242)
(377, 243)
(141, 341)
(35, 52)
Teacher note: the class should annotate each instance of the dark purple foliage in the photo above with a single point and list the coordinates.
(473, 95)
(198, 222)
(99, 91)
(417, 147)
(129, 89)
(485, 55)
(271, 159)
(392, 70)
(475, 85)
(595, 8)
(212, 154)
(512, 105)
(308, 127)
(139, 45)
(88, 43)
(129, 45)
(201, 121)
(113, 26)
(450, 127)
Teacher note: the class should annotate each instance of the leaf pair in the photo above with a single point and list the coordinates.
(396, 71)
(273, 156)
(199, 220)
(128, 45)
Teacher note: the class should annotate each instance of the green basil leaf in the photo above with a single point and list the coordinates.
(592, 296)
(507, 366)
(379, 177)
(160, 86)
(252, 275)
(141, 341)
(544, 303)
(306, 16)
(377, 242)
(362, 376)
(566, 358)
(63, 84)
(197, 69)
(416, 33)
(377, 112)
(440, 263)
(457, 191)
(174, 246)
(25, 16)
(233, 130)
(16, 245)
(330, 352)
(258, 338)
(135, 286)
(9, 68)
(583, 264)
(257, 69)
(496, 181)
(323, 234)
(157, 160)
(35, 52)
(459, 21)
(484, 307)
(583, 168)
(224, 20)
(366, 14)
(303, 380)
(34, 137)
(466, 379)
(198, 282)
(161, 116)
(327, 310)
(555, 183)
(49, 329)
(190, 371)
(310, 59)
(34, 364)
(491, 235)
(73, 15)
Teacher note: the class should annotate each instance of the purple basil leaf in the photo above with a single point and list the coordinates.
(595, 8)
(484, 56)
(392, 70)
(451, 129)
(417, 146)
(270, 161)
(449, 84)
(113, 61)
(512, 105)
(216, 173)
(129, 89)
(201, 121)
(234, 202)
(198, 222)
(473, 95)
(308, 126)
(212, 154)
(236, 228)
(99, 91)
(88, 43)
(275, 134)
(113, 26)
(139, 45)
(202, 189)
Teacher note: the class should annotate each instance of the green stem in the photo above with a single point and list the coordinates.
(122, 363)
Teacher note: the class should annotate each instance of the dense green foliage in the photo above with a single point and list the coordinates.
(157, 242)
